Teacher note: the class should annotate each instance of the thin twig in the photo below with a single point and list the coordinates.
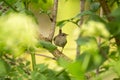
(82, 6)
(45, 56)
(10, 5)
(74, 22)
(54, 16)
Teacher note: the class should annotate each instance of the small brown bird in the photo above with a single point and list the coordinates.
(60, 40)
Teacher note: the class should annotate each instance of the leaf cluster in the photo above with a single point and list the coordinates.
(96, 40)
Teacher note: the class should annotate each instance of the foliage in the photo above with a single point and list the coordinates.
(19, 35)
(19, 69)
(95, 52)
(47, 45)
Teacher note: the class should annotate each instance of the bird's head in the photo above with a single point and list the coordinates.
(63, 34)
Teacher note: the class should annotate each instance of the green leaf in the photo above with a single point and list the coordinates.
(11, 2)
(27, 63)
(43, 4)
(83, 14)
(114, 55)
(62, 62)
(90, 53)
(19, 5)
(87, 58)
(96, 18)
(116, 67)
(47, 45)
(76, 70)
(95, 29)
(41, 67)
(114, 27)
(35, 1)
(94, 6)
(4, 68)
(116, 79)
(61, 23)
(84, 40)
(38, 76)
(105, 49)
(45, 1)
(63, 75)
(86, 45)
(116, 14)
(20, 70)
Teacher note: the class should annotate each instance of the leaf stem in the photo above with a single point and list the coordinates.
(33, 60)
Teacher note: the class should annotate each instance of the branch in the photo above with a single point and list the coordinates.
(82, 6)
(54, 16)
(45, 56)
(10, 5)
(58, 54)
(106, 9)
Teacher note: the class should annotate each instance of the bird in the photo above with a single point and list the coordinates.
(60, 40)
